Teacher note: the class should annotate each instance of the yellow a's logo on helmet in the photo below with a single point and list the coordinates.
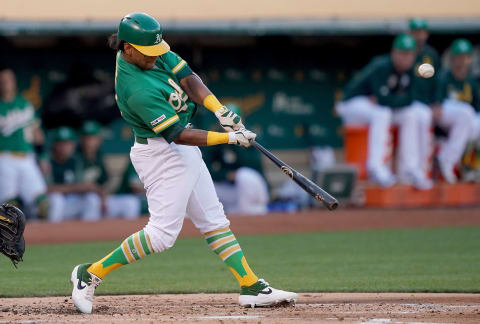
(159, 39)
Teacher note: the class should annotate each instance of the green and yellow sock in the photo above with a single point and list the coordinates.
(133, 248)
(224, 243)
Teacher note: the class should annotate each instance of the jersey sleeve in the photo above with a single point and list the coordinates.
(156, 113)
(360, 84)
(177, 65)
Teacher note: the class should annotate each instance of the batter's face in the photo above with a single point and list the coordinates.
(461, 66)
(133, 56)
(420, 36)
(403, 60)
(8, 84)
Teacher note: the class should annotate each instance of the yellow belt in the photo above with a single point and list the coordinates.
(15, 154)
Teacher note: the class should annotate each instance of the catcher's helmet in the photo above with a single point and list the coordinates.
(144, 33)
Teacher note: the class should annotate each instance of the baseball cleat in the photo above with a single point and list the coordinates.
(84, 284)
(261, 294)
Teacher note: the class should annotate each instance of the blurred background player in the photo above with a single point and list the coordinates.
(93, 171)
(237, 174)
(382, 94)
(69, 196)
(457, 97)
(21, 178)
(425, 87)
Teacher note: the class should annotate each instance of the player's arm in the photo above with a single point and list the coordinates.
(199, 93)
(198, 137)
(163, 120)
(360, 85)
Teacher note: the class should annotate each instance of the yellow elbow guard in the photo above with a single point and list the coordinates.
(211, 103)
(215, 138)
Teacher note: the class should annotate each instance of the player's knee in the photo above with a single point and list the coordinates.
(92, 199)
(163, 237)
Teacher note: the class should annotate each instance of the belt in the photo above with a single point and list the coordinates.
(141, 140)
(16, 154)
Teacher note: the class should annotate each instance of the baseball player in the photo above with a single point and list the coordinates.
(93, 171)
(457, 98)
(19, 129)
(425, 54)
(383, 93)
(70, 197)
(156, 92)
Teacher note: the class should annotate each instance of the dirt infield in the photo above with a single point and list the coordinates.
(222, 308)
(343, 219)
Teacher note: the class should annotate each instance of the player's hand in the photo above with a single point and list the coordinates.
(229, 120)
(242, 137)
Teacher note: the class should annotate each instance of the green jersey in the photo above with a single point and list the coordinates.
(152, 101)
(450, 88)
(92, 171)
(65, 173)
(16, 121)
(425, 88)
(379, 79)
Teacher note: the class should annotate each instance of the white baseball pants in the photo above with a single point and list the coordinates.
(247, 196)
(178, 183)
(461, 122)
(20, 177)
(414, 121)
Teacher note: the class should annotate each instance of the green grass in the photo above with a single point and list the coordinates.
(417, 260)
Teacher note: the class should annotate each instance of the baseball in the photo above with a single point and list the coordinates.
(426, 70)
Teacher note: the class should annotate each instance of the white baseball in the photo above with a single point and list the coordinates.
(426, 70)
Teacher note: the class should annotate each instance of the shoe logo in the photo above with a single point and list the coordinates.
(79, 285)
(268, 292)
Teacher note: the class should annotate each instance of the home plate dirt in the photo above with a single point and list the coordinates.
(370, 308)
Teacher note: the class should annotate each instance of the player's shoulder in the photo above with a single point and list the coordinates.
(380, 60)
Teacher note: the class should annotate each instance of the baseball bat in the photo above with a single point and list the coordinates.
(311, 188)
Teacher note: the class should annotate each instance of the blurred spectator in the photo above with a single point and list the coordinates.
(382, 94)
(84, 95)
(21, 178)
(70, 197)
(425, 54)
(457, 98)
(238, 177)
(93, 172)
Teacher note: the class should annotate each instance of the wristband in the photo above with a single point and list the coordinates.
(211, 103)
(215, 138)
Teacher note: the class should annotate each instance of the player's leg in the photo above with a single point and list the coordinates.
(362, 111)
(208, 216)
(92, 207)
(127, 206)
(252, 192)
(9, 185)
(410, 166)
(169, 177)
(32, 187)
(459, 119)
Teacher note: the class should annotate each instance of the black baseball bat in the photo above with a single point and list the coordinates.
(315, 191)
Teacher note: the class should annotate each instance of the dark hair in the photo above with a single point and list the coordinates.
(114, 43)
(4, 67)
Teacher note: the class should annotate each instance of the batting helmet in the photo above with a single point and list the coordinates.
(143, 32)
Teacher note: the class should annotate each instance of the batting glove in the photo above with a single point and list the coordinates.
(242, 137)
(229, 120)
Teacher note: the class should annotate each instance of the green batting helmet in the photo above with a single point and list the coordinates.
(144, 33)
(461, 46)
